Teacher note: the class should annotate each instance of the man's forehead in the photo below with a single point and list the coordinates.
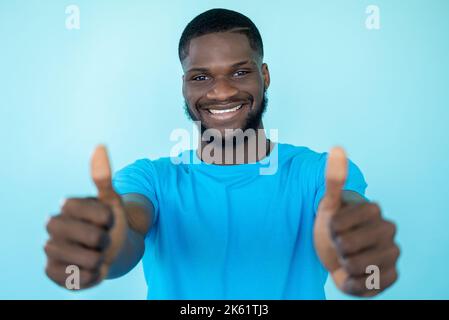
(219, 49)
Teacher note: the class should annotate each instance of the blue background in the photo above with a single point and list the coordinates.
(382, 94)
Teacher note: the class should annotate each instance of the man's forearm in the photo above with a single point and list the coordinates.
(129, 255)
(139, 212)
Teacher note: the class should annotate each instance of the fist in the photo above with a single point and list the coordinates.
(363, 240)
(89, 232)
(352, 239)
(80, 236)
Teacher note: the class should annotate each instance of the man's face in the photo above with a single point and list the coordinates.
(224, 82)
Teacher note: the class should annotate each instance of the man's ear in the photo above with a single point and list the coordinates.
(266, 76)
(183, 86)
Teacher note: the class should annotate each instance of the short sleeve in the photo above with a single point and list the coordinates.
(355, 180)
(139, 177)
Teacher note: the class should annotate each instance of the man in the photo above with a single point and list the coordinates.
(209, 224)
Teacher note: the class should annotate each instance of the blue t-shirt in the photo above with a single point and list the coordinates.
(235, 231)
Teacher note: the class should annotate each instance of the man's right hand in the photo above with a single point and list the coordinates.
(88, 232)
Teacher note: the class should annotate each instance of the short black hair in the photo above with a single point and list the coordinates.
(220, 20)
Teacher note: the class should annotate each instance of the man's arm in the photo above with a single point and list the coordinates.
(139, 213)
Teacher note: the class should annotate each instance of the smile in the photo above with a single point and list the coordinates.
(219, 111)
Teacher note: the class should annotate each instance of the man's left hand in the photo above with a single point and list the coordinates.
(354, 242)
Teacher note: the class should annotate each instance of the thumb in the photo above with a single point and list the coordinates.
(336, 173)
(102, 176)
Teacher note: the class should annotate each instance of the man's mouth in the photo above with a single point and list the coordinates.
(219, 111)
(225, 112)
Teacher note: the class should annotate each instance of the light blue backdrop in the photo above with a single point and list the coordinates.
(382, 94)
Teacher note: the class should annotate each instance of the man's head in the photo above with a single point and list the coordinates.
(225, 79)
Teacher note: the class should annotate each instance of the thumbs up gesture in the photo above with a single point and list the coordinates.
(352, 240)
(89, 232)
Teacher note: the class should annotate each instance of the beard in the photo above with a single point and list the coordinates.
(252, 120)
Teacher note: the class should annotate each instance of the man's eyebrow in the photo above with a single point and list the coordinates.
(238, 64)
(198, 70)
(241, 63)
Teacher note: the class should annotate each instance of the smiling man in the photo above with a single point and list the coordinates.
(214, 227)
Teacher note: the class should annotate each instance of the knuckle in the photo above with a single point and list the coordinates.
(68, 204)
(393, 228)
(71, 206)
(46, 248)
(75, 206)
(395, 275)
(374, 209)
(396, 252)
(53, 224)
(390, 279)
(49, 247)
(389, 229)
(50, 224)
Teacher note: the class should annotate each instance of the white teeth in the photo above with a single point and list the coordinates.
(215, 111)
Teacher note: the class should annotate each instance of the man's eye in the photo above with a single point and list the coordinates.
(241, 73)
(199, 78)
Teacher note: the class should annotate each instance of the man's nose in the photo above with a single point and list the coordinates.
(222, 90)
